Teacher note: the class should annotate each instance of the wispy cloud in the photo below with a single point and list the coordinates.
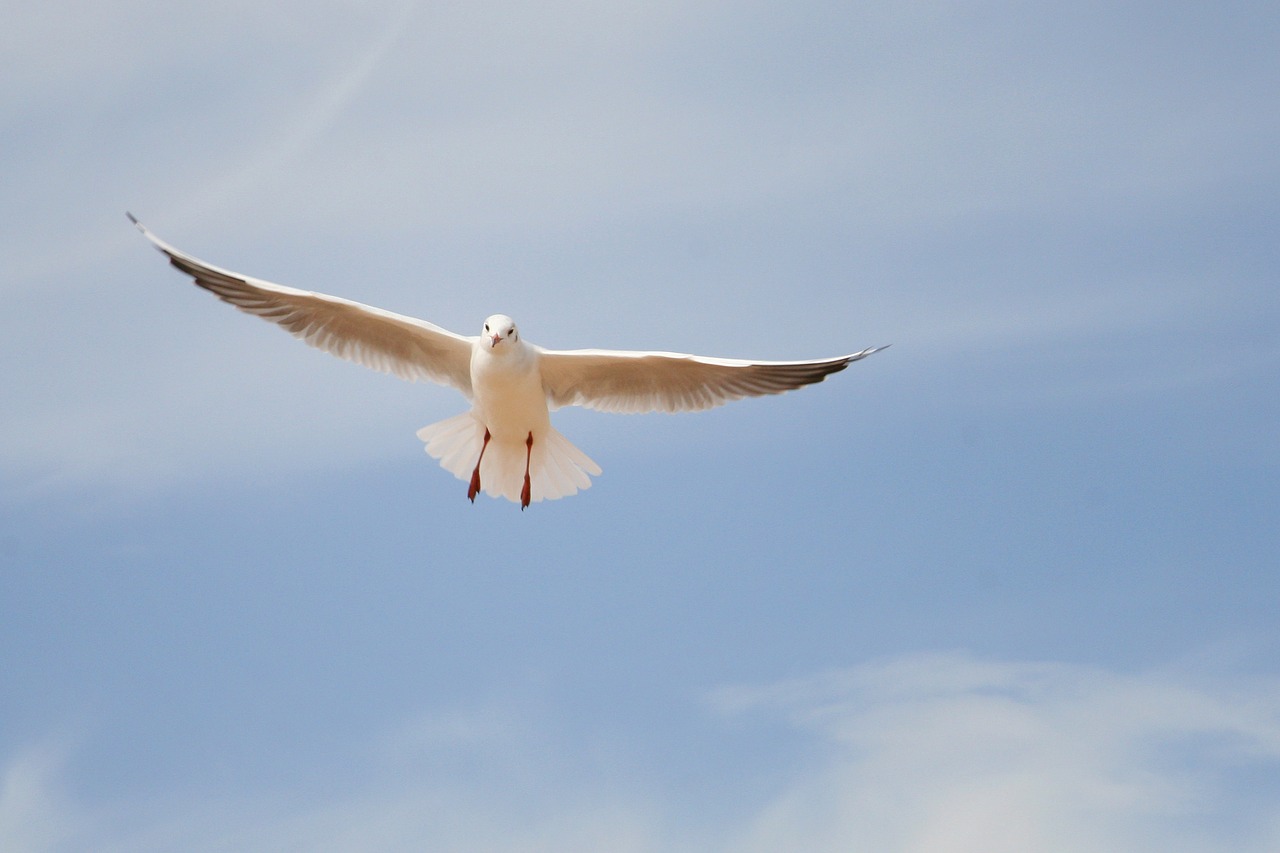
(34, 815)
(938, 753)
(950, 753)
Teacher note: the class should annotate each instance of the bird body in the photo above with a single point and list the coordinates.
(506, 383)
(509, 405)
(505, 444)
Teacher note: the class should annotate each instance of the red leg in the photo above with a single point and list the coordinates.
(527, 491)
(474, 489)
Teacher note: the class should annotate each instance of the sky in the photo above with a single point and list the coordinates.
(1009, 585)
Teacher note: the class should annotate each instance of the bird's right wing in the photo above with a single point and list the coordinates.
(393, 343)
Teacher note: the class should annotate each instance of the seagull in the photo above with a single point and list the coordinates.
(505, 444)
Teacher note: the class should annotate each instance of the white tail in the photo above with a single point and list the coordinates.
(557, 469)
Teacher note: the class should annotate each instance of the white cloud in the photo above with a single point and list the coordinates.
(930, 753)
(34, 815)
(948, 753)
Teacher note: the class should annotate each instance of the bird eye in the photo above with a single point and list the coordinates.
(486, 327)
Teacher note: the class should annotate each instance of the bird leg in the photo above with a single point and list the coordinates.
(527, 491)
(474, 489)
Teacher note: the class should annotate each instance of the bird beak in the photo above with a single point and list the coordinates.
(496, 340)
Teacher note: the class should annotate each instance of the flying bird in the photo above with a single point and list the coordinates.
(505, 445)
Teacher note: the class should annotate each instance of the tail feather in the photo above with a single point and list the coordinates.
(558, 477)
(556, 473)
(455, 442)
(557, 468)
(570, 460)
(546, 476)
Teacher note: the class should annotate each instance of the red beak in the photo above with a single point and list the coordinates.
(496, 339)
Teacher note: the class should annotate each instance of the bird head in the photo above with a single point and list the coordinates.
(499, 329)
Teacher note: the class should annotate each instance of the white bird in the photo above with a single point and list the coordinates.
(505, 444)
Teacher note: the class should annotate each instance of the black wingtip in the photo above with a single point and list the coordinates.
(136, 224)
(858, 356)
(142, 229)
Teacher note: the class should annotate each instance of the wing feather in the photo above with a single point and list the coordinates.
(392, 343)
(636, 382)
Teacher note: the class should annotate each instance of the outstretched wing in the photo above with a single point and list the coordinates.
(393, 343)
(635, 382)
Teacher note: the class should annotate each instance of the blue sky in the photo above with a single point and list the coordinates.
(1010, 585)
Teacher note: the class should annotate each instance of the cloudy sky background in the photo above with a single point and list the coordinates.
(1010, 585)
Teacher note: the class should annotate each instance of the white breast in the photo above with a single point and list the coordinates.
(508, 394)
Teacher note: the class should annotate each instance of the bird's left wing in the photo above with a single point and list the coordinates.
(635, 382)
(393, 343)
